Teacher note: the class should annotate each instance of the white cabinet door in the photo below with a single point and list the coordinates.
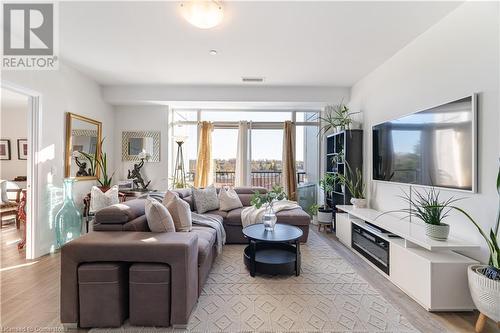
(343, 228)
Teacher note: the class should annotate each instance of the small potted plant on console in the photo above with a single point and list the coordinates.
(429, 208)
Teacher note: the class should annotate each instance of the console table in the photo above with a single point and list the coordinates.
(429, 271)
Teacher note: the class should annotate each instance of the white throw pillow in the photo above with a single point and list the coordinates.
(229, 200)
(180, 211)
(205, 199)
(158, 217)
(100, 200)
(3, 189)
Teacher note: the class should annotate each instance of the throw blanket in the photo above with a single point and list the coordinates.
(207, 220)
(214, 222)
(252, 215)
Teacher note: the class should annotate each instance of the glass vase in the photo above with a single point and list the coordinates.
(269, 218)
(68, 222)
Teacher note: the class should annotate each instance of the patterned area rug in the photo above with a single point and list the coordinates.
(328, 296)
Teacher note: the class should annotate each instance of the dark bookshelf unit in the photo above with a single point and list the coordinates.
(348, 143)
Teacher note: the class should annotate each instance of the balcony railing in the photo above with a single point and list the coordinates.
(265, 179)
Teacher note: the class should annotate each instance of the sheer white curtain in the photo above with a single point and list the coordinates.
(242, 176)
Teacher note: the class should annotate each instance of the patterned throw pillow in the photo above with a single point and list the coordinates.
(158, 217)
(100, 200)
(229, 199)
(205, 199)
(180, 211)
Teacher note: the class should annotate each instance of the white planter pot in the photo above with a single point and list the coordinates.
(358, 203)
(485, 292)
(325, 217)
(314, 219)
(437, 232)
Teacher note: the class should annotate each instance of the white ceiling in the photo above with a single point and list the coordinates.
(288, 43)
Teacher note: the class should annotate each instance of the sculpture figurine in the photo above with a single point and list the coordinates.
(82, 168)
(136, 176)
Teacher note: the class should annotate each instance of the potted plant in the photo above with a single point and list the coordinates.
(313, 211)
(100, 161)
(429, 208)
(484, 280)
(354, 183)
(327, 184)
(337, 117)
(260, 199)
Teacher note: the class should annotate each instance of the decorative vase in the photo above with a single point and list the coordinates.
(68, 222)
(485, 292)
(358, 203)
(269, 218)
(437, 232)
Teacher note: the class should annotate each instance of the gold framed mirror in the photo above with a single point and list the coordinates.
(83, 144)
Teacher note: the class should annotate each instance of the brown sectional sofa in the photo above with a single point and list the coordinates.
(189, 255)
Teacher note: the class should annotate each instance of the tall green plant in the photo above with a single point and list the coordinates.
(100, 162)
(491, 238)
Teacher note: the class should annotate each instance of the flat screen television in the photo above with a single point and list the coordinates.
(434, 147)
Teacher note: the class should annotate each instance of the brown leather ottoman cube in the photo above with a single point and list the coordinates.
(149, 294)
(103, 294)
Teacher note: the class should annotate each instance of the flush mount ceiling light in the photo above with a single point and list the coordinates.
(202, 14)
(212, 52)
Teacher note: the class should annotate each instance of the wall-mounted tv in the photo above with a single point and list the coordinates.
(434, 147)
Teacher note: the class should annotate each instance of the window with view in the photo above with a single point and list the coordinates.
(265, 144)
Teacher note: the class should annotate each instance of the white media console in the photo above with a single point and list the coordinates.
(427, 270)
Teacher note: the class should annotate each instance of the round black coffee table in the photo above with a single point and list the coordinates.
(272, 252)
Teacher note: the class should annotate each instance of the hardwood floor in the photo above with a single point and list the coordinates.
(426, 322)
(29, 292)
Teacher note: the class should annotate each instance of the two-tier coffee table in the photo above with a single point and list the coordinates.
(272, 252)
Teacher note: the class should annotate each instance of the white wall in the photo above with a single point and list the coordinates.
(143, 118)
(259, 95)
(454, 58)
(14, 126)
(64, 90)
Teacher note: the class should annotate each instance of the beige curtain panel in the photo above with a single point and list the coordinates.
(289, 170)
(204, 165)
(242, 156)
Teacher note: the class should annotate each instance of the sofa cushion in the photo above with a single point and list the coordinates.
(179, 209)
(228, 200)
(234, 217)
(297, 217)
(120, 213)
(100, 199)
(158, 217)
(206, 241)
(218, 213)
(205, 199)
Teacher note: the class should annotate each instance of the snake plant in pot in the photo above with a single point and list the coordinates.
(484, 280)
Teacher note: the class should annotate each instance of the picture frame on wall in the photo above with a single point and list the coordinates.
(4, 150)
(22, 149)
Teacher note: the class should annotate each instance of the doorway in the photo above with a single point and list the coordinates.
(18, 172)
